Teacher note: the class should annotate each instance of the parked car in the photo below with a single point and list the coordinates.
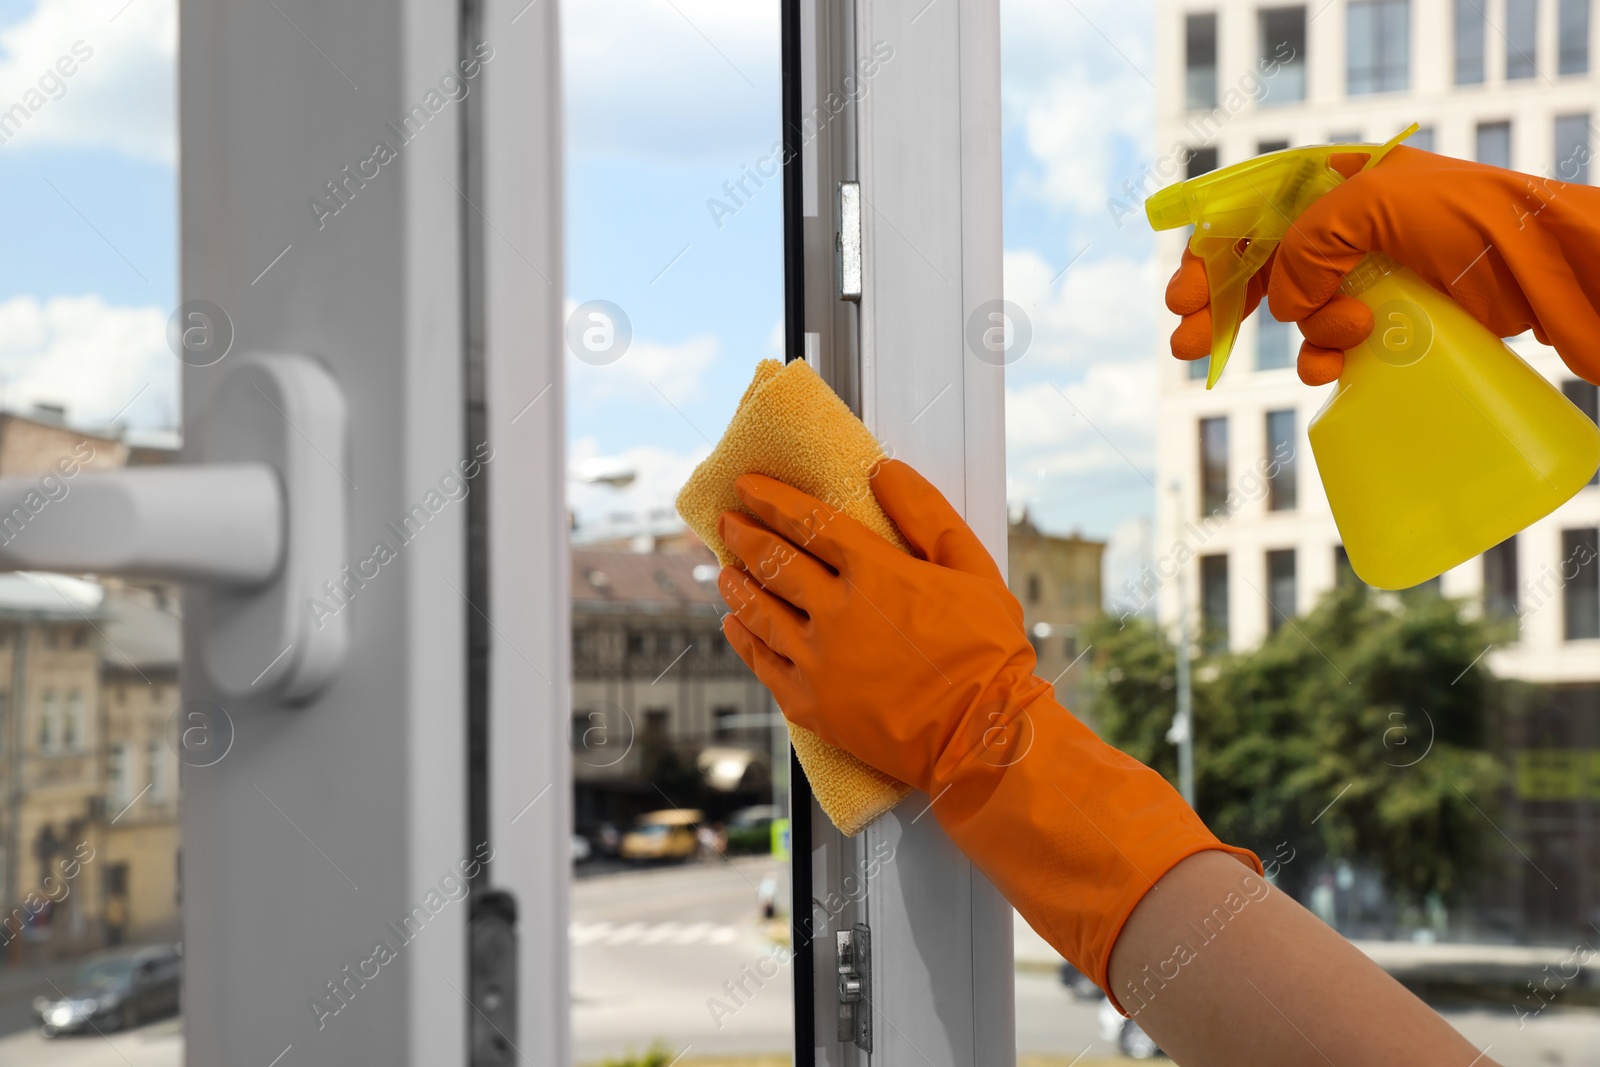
(750, 829)
(1082, 986)
(663, 835)
(1129, 1036)
(115, 992)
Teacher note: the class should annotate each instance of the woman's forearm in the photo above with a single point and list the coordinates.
(1221, 969)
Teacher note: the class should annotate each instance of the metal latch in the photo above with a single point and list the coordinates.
(492, 931)
(854, 951)
(849, 241)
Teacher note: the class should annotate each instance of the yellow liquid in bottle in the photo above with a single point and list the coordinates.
(1439, 441)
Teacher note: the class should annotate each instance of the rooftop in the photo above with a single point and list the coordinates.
(615, 578)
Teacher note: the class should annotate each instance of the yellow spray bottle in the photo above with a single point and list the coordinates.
(1438, 441)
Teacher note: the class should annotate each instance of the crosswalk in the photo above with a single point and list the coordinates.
(662, 933)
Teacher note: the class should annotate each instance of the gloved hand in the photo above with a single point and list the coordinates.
(919, 666)
(1516, 251)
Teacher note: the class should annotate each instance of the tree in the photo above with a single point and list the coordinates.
(1361, 731)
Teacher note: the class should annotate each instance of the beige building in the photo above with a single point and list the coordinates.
(88, 687)
(1057, 580)
(660, 700)
(139, 699)
(51, 770)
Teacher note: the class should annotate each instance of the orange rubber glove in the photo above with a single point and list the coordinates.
(1518, 252)
(919, 666)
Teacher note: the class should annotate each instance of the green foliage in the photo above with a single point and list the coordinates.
(656, 1055)
(749, 840)
(1379, 711)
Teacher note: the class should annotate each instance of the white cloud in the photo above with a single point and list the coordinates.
(90, 356)
(678, 371)
(1076, 128)
(1101, 309)
(121, 94)
(1102, 421)
(1076, 78)
(679, 80)
(660, 473)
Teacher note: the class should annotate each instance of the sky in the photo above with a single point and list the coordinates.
(667, 100)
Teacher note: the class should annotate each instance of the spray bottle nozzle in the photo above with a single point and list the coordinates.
(1169, 208)
(1240, 213)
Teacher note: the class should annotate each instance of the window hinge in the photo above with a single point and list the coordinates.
(849, 241)
(855, 985)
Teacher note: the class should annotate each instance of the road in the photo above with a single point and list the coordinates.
(655, 952)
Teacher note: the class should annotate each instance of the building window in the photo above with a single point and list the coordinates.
(724, 723)
(1494, 144)
(1280, 588)
(120, 777)
(1283, 39)
(1200, 61)
(1572, 17)
(1033, 589)
(1470, 24)
(1277, 343)
(1572, 149)
(1433, 587)
(1213, 465)
(156, 779)
(1199, 368)
(1422, 139)
(1264, 147)
(1500, 579)
(1585, 396)
(655, 723)
(1069, 648)
(1522, 38)
(47, 720)
(1344, 575)
(1581, 594)
(1214, 603)
(1201, 161)
(1282, 487)
(1378, 44)
(72, 723)
(635, 644)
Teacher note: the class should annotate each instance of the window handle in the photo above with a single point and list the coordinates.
(255, 527)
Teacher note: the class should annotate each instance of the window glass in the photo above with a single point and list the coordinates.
(1213, 465)
(1214, 602)
(1470, 26)
(1277, 343)
(1500, 579)
(1572, 148)
(1585, 396)
(1522, 38)
(1572, 38)
(1282, 455)
(1280, 588)
(1580, 557)
(1283, 41)
(1200, 61)
(1378, 46)
(1494, 144)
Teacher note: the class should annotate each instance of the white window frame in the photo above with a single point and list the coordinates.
(326, 821)
(922, 137)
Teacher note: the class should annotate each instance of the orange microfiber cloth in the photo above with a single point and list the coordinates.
(792, 427)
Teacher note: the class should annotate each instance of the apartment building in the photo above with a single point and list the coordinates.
(1508, 82)
(1057, 579)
